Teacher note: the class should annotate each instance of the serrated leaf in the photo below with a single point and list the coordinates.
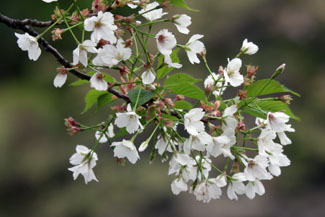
(103, 100)
(164, 70)
(91, 98)
(79, 82)
(183, 105)
(144, 96)
(188, 89)
(259, 89)
(179, 78)
(259, 108)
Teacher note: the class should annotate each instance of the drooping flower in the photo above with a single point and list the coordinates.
(249, 48)
(183, 164)
(80, 53)
(111, 55)
(198, 142)
(60, 79)
(253, 188)
(29, 43)
(236, 186)
(150, 14)
(97, 81)
(277, 121)
(168, 60)
(103, 136)
(102, 27)
(128, 119)
(256, 168)
(192, 121)
(232, 74)
(84, 160)
(194, 47)
(178, 185)
(166, 41)
(126, 149)
(182, 22)
(163, 145)
(148, 77)
(207, 190)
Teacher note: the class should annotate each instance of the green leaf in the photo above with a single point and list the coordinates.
(79, 82)
(103, 100)
(164, 70)
(256, 89)
(259, 108)
(187, 89)
(183, 105)
(91, 98)
(179, 78)
(109, 78)
(144, 96)
(169, 117)
(181, 3)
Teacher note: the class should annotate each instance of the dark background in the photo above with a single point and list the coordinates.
(35, 148)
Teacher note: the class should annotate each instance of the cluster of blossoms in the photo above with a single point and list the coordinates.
(215, 132)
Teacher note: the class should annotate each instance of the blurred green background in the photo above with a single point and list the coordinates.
(35, 148)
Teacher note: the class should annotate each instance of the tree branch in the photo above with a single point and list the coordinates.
(22, 25)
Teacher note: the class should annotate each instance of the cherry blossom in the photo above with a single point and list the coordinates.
(194, 47)
(126, 149)
(128, 119)
(29, 43)
(182, 22)
(232, 74)
(249, 48)
(84, 160)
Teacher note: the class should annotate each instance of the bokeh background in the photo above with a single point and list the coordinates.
(35, 148)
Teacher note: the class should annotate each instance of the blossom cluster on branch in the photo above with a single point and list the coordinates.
(204, 136)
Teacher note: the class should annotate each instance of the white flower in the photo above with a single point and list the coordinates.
(103, 136)
(84, 160)
(49, 1)
(194, 47)
(60, 79)
(134, 4)
(249, 48)
(166, 41)
(128, 119)
(183, 164)
(197, 142)
(168, 60)
(150, 14)
(232, 74)
(210, 84)
(111, 55)
(178, 185)
(277, 159)
(97, 81)
(207, 190)
(80, 53)
(29, 43)
(236, 186)
(148, 77)
(256, 168)
(254, 187)
(192, 121)
(182, 22)
(163, 145)
(102, 27)
(277, 121)
(222, 144)
(126, 149)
